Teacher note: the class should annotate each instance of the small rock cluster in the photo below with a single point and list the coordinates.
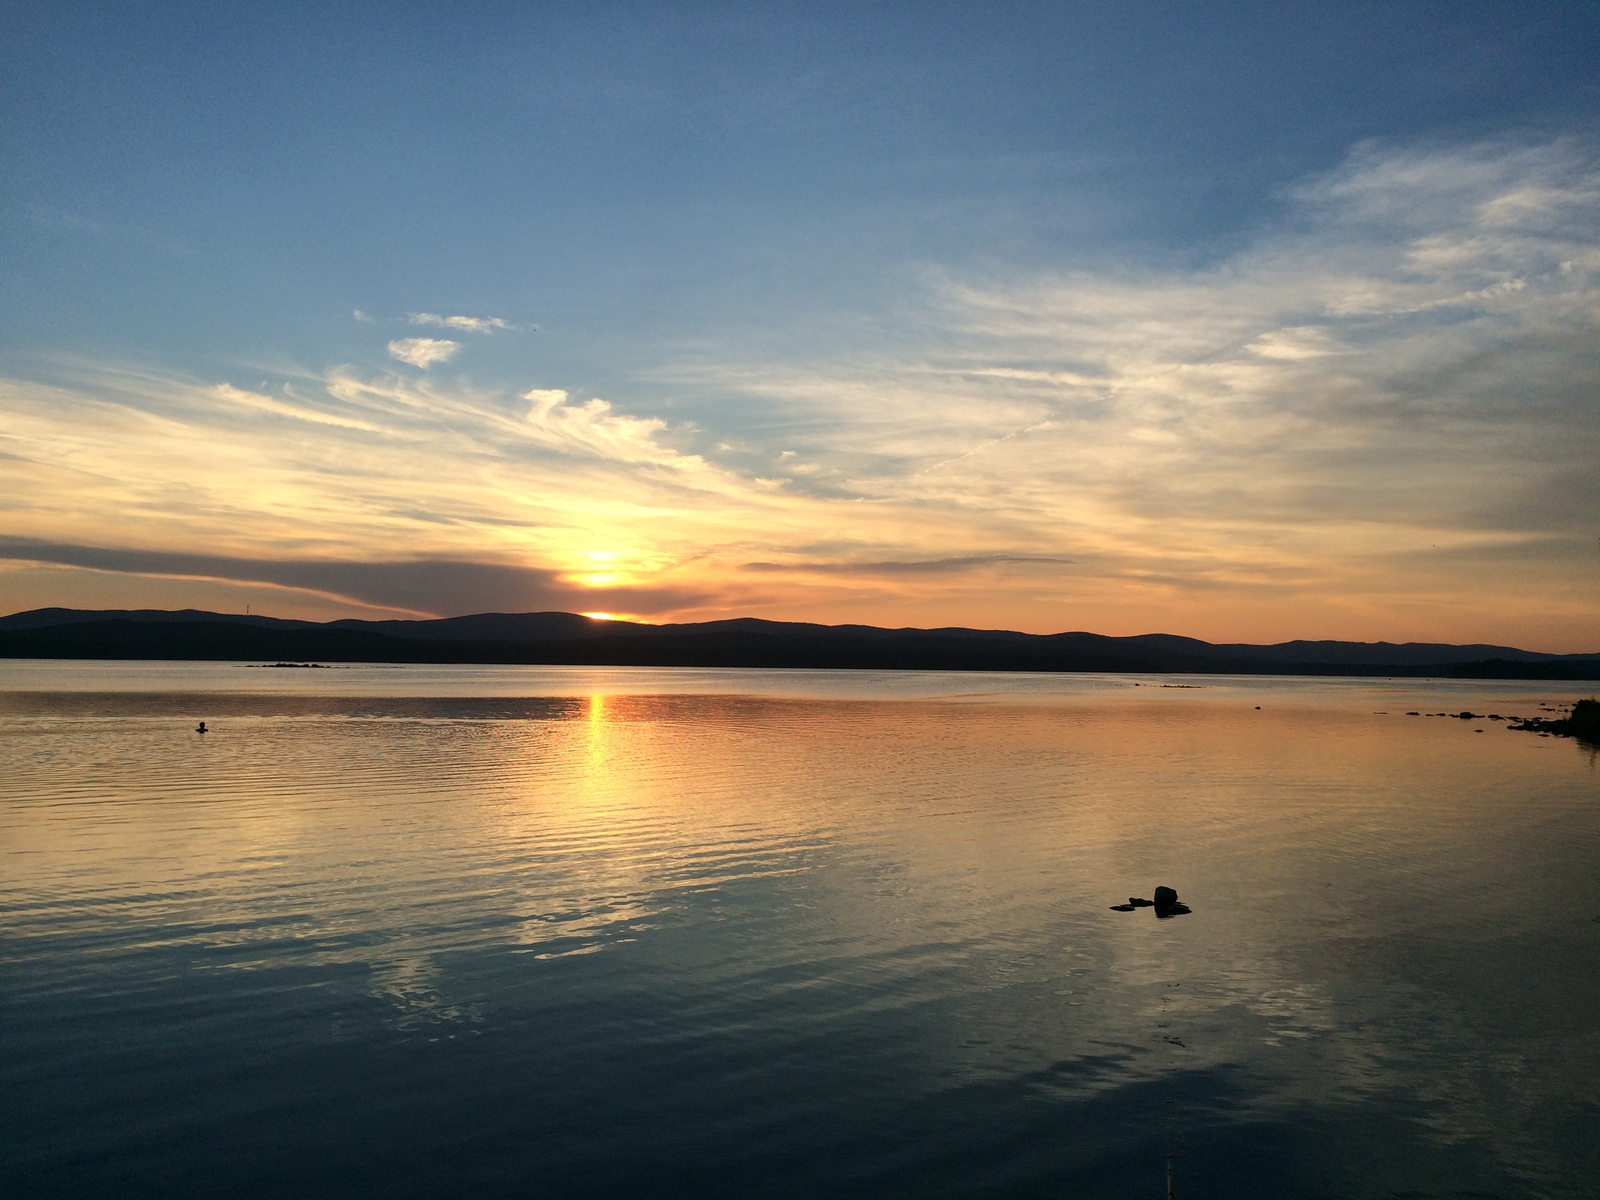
(1166, 904)
(1582, 722)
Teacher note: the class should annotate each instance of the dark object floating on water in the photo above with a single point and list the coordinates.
(1166, 904)
(1583, 723)
(201, 728)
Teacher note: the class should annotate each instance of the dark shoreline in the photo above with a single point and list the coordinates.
(564, 639)
(1581, 722)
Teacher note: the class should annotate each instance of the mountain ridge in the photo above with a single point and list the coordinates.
(571, 639)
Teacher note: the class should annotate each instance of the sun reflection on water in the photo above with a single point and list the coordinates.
(599, 781)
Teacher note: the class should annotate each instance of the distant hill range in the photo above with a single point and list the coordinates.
(554, 638)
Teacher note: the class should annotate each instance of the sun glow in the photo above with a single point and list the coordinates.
(599, 568)
(599, 616)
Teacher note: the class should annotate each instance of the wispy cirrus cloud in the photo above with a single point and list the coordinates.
(592, 428)
(382, 490)
(465, 324)
(1375, 420)
(931, 566)
(1396, 380)
(423, 352)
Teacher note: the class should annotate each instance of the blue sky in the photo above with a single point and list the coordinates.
(1111, 316)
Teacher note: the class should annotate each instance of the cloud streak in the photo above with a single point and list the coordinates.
(464, 324)
(515, 501)
(932, 566)
(424, 586)
(423, 352)
(1376, 420)
(592, 429)
(1404, 370)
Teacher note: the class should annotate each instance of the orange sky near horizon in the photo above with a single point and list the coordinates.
(1383, 424)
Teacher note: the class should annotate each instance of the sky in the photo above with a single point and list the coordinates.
(1242, 321)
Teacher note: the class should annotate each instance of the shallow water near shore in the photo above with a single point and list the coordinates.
(437, 931)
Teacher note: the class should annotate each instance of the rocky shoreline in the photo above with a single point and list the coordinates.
(1582, 722)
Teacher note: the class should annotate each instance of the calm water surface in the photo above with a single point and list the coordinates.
(561, 932)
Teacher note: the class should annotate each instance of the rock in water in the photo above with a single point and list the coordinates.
(1167, 903)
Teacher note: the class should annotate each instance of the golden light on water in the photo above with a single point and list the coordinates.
(599, 777)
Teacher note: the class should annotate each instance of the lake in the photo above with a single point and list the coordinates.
(514, 931)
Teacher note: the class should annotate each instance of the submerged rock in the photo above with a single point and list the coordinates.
(1167, 905)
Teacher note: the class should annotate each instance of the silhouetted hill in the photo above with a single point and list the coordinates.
(566, 638)
(485, 627)
(47, 618)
